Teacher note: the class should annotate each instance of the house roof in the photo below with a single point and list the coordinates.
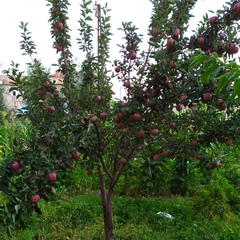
(4, 80)
(57, 77)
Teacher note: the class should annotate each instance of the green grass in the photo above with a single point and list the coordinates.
(80, 217)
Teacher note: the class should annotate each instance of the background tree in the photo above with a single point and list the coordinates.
(168, 117)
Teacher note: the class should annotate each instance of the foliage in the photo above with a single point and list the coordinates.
(168, 120)
(135, 218)
(226, 74)
(3, 106)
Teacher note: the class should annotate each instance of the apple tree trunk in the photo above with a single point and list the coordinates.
(107, 203)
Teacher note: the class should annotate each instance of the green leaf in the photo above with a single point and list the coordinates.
(9, 231)
(197, 61)
(207, 76)
(17, 207)
(236, 89)
(37, 210)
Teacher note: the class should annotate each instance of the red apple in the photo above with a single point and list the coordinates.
(117, 69)
(149, 140)
(235, 49)
(165, 153)
(207, 96)
(173, 64)
(180, 107)
(123, 160)
(138, 148)
(56, 30)
(184, 99)
(35, 198)
(236, 7)
(200, 41)
(213, 19)
(170, 85)
(52, 176)
(21, 164)
(76, 155)
(228, 142)
(121, 114)
(176, 33)
(156, 158)
(141, 133)
(15, 165)
(116, 118)
(153, 38)
(55, 9)
(103, 115)
(219, 102)
(58, 47)
(89, 171)
(40, 92)
(172, 125)
(213, 49)
(229, 47)
(137, 116)
(222, 107)
(194, 142)
(222, 36)
(129, 47)
(199, 157)
(217, 164)
(47, 84)
(60, 24)
(119, 125)
(170, 42)
(148, 103)
(155, 31)
(72, 166)
(98, 98)
(84, 123)
(125, 131)
(52, 109)
(154, 131)
(41, 173)
(55, 93)
(209, 166)
(94, 118)
(78, 107)
(127, 84)
(133, 56)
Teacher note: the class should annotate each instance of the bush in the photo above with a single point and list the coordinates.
(80, 217)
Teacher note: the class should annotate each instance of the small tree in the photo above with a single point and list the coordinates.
(167, 112)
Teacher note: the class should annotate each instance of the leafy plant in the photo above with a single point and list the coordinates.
(167, 120)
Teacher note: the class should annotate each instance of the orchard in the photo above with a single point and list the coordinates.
(181, 98)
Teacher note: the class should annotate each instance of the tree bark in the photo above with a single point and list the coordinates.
(108, 216)
(107, 199)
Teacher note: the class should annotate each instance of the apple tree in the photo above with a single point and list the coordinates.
(171, 112)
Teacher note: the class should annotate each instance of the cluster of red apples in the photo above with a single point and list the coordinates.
(59, 27)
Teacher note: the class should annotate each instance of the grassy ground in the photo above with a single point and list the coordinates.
(80, 217)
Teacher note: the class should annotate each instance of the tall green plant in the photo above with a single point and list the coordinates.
(166, 112)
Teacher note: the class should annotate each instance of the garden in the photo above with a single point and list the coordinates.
(162, 162)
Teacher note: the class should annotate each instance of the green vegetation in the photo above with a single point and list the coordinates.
(80, 217)
(173, 134)
(209, 210)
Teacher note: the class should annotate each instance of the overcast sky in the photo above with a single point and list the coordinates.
(36, 13)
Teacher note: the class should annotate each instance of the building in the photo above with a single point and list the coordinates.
(11, 100)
